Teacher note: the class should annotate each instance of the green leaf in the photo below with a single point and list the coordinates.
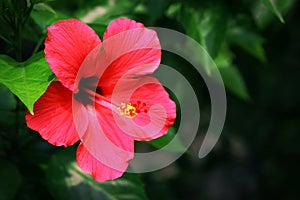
(10, 180)
(207, 27)
(161, 142)
(65, 180)
(27, 80)
(249, 41)
(234, 81)
(43, 14)
(157, 8)
(189, 18)
(225, 57)
(216, 21)
(264, 16)
(272, 5)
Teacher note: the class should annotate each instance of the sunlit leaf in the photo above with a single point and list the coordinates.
(43, 14)
(65, 180)
(225, 57)
(272, 5)
(263, 16)
(10, 180)
(27, 80)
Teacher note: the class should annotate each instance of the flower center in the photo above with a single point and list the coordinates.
(130, 110)
(87, 89)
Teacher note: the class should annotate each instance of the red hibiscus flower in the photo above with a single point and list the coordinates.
(104, 97)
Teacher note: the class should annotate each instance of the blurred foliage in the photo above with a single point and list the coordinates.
(254, 43)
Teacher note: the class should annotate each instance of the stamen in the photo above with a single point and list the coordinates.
(127, 110)
(131, 110)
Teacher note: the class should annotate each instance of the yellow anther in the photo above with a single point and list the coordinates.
(127, 110)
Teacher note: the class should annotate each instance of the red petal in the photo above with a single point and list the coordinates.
(157, 110)
(91, 165)
(130, 49)
(106, 143)
(112, 131)
(120, 25)
(67, 45)
(53, 117)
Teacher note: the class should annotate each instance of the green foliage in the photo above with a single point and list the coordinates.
(249, 41)
(234, 82)
(210, 27)
(66, 180)
(28, 80)
(272, 5)
(43, 14)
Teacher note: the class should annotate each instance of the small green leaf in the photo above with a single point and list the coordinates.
(190, 18)
(65, 180)
(271, 4)
(43, 14)
(225, 57)
(161, 142)
(208, 28)
(10, 180)
(249, 41)
(233, 80)
(28, 80)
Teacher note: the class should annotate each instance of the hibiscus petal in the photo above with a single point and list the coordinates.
(53, 117)
(120, 25)
(67, 45)
(154, 111)
(112, 131)
(105, 141)
(91, 165)
(129, 48)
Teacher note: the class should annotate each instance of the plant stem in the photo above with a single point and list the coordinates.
(19, 41)
(39, 43)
